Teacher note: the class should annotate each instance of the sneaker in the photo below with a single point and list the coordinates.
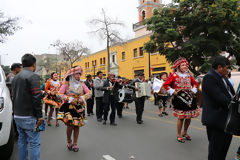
(113, 124)
(139, 122)
(165, 113)
(160, 115)
(99, 120)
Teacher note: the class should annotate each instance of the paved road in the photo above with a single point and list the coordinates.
(153, 140)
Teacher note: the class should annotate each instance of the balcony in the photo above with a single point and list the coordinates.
(138, 25)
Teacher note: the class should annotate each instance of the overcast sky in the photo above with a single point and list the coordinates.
(44, 21)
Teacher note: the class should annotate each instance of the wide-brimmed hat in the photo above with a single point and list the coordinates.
(73, 71)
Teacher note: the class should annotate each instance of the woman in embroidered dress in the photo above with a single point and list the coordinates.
(74, 94)
(52, 87)
(181, 79)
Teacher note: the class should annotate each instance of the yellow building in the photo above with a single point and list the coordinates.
(126, 60)
(129, 59)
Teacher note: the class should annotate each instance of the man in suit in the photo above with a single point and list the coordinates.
(90, 101)
(110, 88)
(217, 94)
(139, 102)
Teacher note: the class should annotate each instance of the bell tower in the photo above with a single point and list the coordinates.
(145, 10)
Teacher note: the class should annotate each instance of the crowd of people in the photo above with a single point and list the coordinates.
(73, 98)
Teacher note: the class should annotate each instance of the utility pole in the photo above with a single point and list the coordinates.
(149, 64)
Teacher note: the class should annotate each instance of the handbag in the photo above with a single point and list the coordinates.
(233, 119)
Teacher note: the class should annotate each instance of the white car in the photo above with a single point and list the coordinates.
(6, 119)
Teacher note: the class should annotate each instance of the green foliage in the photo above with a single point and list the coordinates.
(7, 26)
(6, 69)
(196, 30)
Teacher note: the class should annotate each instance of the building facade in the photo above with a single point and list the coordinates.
(129, 58)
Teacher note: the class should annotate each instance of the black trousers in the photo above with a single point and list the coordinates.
(112, 103)
(219, 143)
(139, 104)
(119, 108)
(99, 107)
(90, 103)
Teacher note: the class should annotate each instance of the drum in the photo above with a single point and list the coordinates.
(184, 100)
(125, 95)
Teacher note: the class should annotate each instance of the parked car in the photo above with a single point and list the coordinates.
(6, 119)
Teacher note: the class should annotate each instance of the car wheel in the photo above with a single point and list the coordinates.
(7, 149)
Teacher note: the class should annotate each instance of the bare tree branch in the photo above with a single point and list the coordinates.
(106, 32)
(74, 51)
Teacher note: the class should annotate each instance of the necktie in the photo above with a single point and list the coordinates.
(228, 88)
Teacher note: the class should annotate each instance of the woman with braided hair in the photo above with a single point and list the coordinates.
(74, 94)
(183, 87)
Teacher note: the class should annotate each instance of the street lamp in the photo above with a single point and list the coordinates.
(94, 67)
(149, 64)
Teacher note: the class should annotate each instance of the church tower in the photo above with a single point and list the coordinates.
(145, 10)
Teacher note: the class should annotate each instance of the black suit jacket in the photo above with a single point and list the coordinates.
(216, 99)
(107, 92)
(90, 87)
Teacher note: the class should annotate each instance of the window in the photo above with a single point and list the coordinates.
(95, 63)
(136, 72)
(113, 58)
(135, 53)
(86, 65)
(141, 51)
(101, 61)
(123, 56)
(104, 60)
(143, 15)
(159, 69)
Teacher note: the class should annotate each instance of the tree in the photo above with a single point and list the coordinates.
(73, 51)
(48, 64)
(196, 30)
(106, 29)
(6, 69)
(7, 26)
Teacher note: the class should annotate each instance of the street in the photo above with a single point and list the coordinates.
(153, 140)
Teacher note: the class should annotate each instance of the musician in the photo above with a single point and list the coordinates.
(181, 80)
(139, 102)
(98, 84)
(119, 105)
(162, 96)
(110, 97)
(90, 101)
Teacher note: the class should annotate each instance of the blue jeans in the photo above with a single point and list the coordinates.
(27, 134)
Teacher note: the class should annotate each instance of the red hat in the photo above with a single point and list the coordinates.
(178, 62)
